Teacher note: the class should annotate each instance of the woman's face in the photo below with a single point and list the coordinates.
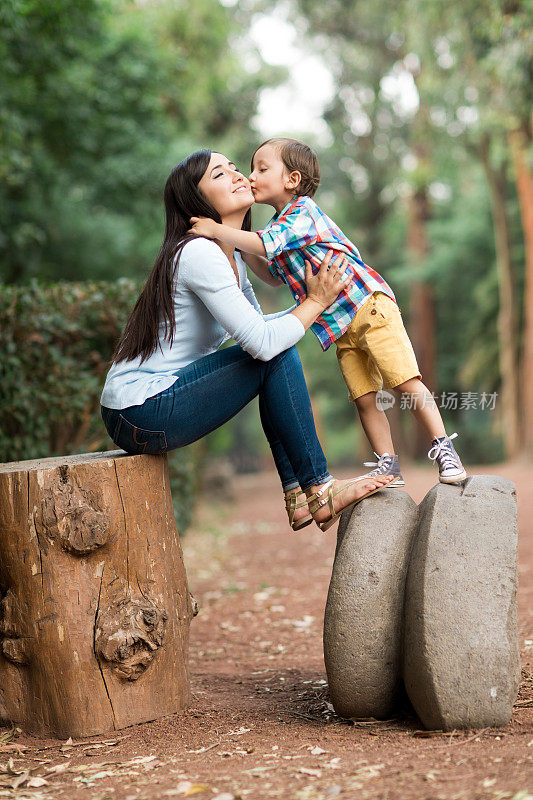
(225, 187)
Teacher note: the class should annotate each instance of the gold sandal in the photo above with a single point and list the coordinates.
(291, 505)
(315, 502)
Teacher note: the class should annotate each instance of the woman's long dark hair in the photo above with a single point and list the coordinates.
(183, 200)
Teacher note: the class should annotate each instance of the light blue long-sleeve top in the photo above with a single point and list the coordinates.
(210, 307)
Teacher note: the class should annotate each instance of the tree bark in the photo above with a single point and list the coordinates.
(508, 307)
(518, 141)
(94, 604)
(422, 306)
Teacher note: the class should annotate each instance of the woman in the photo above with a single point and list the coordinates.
(169, 385)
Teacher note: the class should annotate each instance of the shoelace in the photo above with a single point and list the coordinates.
(448, 458)
(383, 461)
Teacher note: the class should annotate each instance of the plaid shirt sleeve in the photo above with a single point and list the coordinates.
(291, 231)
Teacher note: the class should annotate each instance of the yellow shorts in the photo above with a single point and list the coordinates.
(375, 351)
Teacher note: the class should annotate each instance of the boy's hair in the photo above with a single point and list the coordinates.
(297, 156)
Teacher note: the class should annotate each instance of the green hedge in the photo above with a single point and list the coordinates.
(56, 342)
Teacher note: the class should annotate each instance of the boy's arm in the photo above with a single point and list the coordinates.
(244, 240)
(259, 267)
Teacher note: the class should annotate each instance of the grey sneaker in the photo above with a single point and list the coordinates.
(386, 465)
(450, 468)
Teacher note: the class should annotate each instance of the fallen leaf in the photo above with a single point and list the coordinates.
(57, 769)
(9, 768)
(34, 783)
(139, 760)
(368, 771)
(237, 733)
(105, 773)
(196, 788)
(302, 624)
(9, 735)
(20, 779)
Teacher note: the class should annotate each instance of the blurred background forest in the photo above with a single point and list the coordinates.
(421, 114)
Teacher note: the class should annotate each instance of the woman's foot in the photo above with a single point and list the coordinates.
(297, 509)
(327, 501)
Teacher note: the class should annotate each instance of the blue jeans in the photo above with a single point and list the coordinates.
(210, 391)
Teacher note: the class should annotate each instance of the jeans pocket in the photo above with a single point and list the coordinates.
(139, 441)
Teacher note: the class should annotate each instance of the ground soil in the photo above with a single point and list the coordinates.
(259, 725)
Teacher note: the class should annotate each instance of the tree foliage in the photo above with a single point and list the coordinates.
(98, 101)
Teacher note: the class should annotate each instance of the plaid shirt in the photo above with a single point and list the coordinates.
(302, 231)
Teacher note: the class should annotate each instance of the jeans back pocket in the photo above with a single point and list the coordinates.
(138, 441)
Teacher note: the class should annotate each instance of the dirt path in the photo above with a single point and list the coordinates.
(259, 725)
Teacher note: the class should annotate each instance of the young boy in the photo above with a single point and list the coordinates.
(373, 348)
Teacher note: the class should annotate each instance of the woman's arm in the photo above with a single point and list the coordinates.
(259, 267)
(206, 271)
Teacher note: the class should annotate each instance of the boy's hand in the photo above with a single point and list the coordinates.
(327, 284)
(204, 226)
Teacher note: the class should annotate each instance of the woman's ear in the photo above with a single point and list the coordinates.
(293, 180)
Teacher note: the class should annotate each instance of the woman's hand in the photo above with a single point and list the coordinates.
(328, 283)
(204, 226)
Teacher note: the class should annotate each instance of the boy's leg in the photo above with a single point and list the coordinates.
(423, 406)
(386, 341)
(363, 381)
(375, 423)
(426, 412)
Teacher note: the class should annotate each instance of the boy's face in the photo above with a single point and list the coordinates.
(270, 181)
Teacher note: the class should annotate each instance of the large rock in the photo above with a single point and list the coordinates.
(461, 660)
(363, 617)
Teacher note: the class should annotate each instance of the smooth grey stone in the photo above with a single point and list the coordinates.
(461, 656)
(363, 616)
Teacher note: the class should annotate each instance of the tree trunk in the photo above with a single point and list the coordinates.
(524, 183)
(94, 604)
(508, 310)
(422, 313)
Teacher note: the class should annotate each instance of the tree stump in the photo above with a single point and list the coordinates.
(94, 603)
